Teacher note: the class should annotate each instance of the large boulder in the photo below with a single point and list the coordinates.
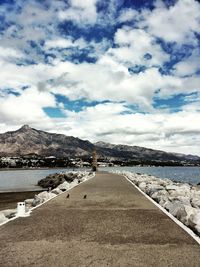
(142, 186)
(56, 191)
(194, 221)
(54, 180)
(44, 196)
(74, 183)
(9, 213)
(160, 196)
(64, 186)
(185, 214)
(177, 209)
(3, 218)
(195, 202)
(152, 188)
(37, 201)
(29, 201)
(182, 199)
(172, 187)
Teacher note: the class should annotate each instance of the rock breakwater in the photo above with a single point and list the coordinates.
(182, 200)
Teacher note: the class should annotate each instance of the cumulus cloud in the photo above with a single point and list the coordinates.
(128, 14)
(26, 108)
(178, 23)
(115, 123)
(80, 12)
(112, 55)
(188, 66)
(135, 45)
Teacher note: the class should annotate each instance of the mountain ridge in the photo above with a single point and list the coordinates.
(27, 140)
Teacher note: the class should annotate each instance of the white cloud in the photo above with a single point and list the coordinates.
(127, 14)
(189, 65)
(106, 79)
(177, 23)
(26, 108)
(134, 44)
(80, 12)
(58, 43)
(110, 122)
(8, 53)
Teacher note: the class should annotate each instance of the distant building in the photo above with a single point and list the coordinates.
(94, 161)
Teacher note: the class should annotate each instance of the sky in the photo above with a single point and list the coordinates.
(118, 71)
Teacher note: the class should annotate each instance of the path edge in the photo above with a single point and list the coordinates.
(179, 223)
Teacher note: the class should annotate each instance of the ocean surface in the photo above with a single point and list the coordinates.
(26, 180)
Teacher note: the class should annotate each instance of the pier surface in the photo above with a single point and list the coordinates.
(115, 225)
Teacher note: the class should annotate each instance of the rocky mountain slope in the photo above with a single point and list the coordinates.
(27, 140)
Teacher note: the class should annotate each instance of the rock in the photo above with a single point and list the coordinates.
(152, 188)
(37, 201)
(56, 191)
(64, 186)
(160, 195)
(172, 187)
(10, 213)
(163, 200)
(195, 202)
(185, 215)
(2, 217)
(42, 197)
(74, 183)
(54, 180)
(184, 200)
(194, 221)
(177, 210)
(46, 195)
(29, 201)
(167, 205)
(142, 186)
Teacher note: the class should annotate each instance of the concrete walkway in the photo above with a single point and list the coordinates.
(114, 226)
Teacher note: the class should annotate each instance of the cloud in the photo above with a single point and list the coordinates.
(80, 12)
(127, 14)
(134, 45)
(178, 23)
(114, 59)
(111, 122)
(188, 66)
(26, 108)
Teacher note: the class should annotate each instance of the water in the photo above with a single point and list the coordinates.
(26, 180)
(181, 174)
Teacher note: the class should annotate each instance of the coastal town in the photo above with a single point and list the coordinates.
(35, 161)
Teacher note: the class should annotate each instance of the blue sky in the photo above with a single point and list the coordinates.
(120, 71)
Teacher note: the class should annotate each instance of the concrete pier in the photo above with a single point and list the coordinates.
(114, 225)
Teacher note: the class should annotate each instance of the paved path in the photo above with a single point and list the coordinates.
(114, 226)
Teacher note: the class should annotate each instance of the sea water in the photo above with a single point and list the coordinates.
(26, 180)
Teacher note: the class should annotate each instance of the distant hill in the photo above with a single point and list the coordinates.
(27, 141)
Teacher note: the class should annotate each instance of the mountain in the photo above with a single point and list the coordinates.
(27, 140)
(142, 153)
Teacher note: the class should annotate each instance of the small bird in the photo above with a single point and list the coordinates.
(67, 196)
(85, 196)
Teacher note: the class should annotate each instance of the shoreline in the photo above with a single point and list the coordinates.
(8, 200)
(33, 169)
